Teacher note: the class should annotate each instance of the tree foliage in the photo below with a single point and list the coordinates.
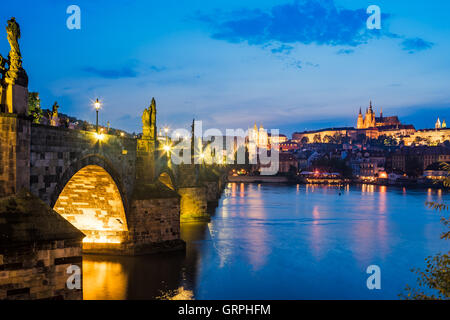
(433, 283)
(34, 107)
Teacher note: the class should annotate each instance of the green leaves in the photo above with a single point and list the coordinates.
(34, 107)
(434, 282)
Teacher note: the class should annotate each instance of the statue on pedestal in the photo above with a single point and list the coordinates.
(149, 121)
(16, 74)
(146, 123)
(54, 121)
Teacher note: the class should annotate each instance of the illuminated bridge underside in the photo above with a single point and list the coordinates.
(92, 202)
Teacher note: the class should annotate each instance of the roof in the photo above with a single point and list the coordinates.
(392, 119)
(423, 150)
(24, 219)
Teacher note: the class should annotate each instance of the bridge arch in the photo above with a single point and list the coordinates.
(90, 196)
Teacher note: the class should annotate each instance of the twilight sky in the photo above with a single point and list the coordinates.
(286, 64)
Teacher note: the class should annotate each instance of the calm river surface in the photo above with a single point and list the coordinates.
(285, 242)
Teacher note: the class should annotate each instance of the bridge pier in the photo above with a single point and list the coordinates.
(193, 204)
(155, 225)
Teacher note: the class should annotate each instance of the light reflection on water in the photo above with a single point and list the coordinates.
(284, 242)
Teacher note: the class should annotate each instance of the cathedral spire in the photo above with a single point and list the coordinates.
(381, 113)
(438, 124)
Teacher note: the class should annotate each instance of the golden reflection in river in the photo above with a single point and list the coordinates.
(371, 235)
(179, 294)
(382, 200)
(257, 234)
(253, 230)
(317, 234)
(103, 280)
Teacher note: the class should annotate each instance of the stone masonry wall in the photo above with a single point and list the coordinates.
(55, 151)
(212, 191)
(14, 153)
(155, 220)
(92, 203)
(193, 204)
(39, 271)
(153, 226)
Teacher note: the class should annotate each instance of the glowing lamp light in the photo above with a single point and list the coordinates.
(167, 148)
(202, 155)
(99, 136)
(166, 129)
(97, 104)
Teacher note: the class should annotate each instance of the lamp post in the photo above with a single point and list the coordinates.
(166, 131)
(97, 107)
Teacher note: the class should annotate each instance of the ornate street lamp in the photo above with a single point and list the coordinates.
(97, 106)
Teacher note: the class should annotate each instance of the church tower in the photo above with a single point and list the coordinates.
(369, 120)
(438, 124)
(444, 124)
(360, 122)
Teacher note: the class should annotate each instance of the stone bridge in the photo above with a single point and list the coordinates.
(118, 191)
(64, 191)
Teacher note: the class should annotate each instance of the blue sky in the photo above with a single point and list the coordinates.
(286, 64)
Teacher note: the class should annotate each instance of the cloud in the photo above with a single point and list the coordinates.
(286, 49)
(345, 51)
(306, 22)
(124, 72)
(157, 69)
(127, 71)
(413, 45)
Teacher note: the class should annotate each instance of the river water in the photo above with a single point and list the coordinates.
(285, 242)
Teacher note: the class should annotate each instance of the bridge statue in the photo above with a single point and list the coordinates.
(149, 122)
(14, 86)
(54, 121)
(146, 123)
(15, 74)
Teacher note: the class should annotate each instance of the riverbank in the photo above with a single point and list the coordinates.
(259, 179)
(334, 181)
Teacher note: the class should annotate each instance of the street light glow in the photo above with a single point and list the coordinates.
(167, 148)
(99, 136)
(97, 104)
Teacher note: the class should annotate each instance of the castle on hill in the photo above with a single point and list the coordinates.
(371, 121)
